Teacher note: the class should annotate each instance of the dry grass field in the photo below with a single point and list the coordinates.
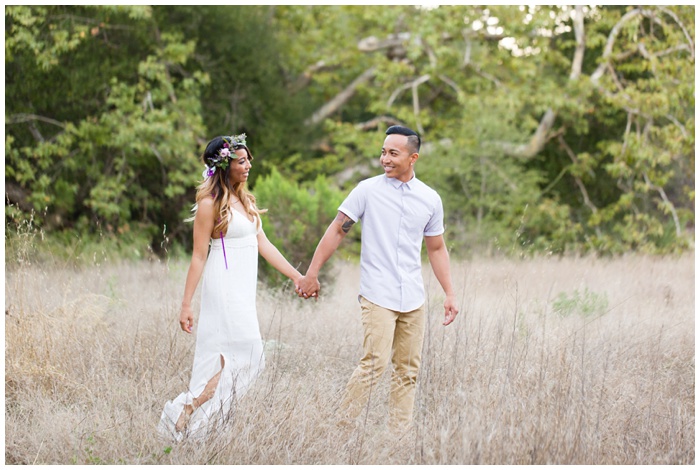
(551, 361)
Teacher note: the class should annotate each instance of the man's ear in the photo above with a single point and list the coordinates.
(414, 157)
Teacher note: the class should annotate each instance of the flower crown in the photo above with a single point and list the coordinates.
(224, 155)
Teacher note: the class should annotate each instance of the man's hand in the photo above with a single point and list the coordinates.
(308, 287)
(336, 231)
(451, 310)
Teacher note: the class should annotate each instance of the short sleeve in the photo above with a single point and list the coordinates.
(436, 224)
(354, 205)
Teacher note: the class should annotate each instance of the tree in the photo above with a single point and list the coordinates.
(558, 91)
(118, 159)
(549, 128)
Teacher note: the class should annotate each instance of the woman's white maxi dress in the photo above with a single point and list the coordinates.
(227, 330)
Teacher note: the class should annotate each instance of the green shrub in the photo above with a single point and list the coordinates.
(585, 304)
(297, 218)
(27, 242)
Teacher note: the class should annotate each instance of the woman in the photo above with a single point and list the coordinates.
(229, 350)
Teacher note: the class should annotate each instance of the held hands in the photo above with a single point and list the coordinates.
(450, 310)
(308, 287)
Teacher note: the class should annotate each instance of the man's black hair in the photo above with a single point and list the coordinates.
(413, 137)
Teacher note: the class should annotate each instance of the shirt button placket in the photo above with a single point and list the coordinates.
(402, 230)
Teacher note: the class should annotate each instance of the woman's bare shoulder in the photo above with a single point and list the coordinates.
(206, 203)
(206, 208)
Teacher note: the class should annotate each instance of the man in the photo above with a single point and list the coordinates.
(398, 212)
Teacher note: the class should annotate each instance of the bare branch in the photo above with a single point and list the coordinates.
(341, 98)
(580, 44)
(624, 55)
(466, 61)
(484, 35)
(416, 102)
(429, 51)
(406, 86)
(22, 117)
(305, 78)
(428, 147)
(451, 83)
(503, 176)
(468, 49)
(537, 141)
(395, 44)
(673, 49)
(677, 123)
(685, 31)
(397, 92)
(579, 183)
(372, 43)
(155, 151)
(607, 52)
(645, 53)
(486, 75)
(544, 128)
(81, 19)
(619, 86)
(647, 128)
(643, 50)
(668, 203)
(147, 102)
(375, 122)
(630, 110)
(361, 170)
(628, 129)
(35, 132)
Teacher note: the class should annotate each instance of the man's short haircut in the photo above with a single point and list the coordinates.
(413, 137)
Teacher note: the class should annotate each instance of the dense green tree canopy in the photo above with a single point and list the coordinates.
(545, 128)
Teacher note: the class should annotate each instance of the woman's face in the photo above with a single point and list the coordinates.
(240, 165)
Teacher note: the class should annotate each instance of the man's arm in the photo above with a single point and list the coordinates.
(335, 233)
(440, 262)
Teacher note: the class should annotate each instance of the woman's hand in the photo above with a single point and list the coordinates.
(186, 319)
(308, 287)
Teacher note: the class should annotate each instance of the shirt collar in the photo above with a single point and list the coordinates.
(397, 183)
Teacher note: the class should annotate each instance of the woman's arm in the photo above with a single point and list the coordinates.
(273, 256)
(203, 226)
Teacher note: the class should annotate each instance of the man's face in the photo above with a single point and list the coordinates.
(396, 158)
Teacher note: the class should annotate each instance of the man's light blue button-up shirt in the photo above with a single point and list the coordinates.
(395, 217)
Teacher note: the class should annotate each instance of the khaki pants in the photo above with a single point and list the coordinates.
(388, 334)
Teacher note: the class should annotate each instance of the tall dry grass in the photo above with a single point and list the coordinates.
(551, 361)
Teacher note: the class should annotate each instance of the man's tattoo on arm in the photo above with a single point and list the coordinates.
(346, 222)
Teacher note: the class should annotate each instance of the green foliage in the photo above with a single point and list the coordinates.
(109, 106)
(124, 164)
(249, 86)
(27, 243)
(585, 304)
(297, 218)
(47, 34)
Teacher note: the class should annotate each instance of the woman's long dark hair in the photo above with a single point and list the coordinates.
(220, 188)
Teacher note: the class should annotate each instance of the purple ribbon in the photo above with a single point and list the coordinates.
(223, 247)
